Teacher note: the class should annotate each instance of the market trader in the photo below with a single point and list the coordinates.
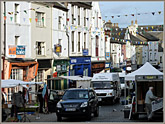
(148, 99)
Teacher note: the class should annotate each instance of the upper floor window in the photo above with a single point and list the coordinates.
(72, 12)
(40, 16)
(78, 15)
(40, 48)
(84, 40)
(84, 17)
(79, 41)
(16, 15)
(59, 22)
(17, 40)
(72, 41)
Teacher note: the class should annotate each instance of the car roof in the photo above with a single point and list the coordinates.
(80, 89)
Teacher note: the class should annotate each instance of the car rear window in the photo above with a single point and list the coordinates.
(76, 94)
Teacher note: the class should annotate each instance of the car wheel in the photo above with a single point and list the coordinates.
(96, 113)
(59, 118)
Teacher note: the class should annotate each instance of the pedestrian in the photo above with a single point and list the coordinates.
(17, 102)
(148, 99)
(40, 98)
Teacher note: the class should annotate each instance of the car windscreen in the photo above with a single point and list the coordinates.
(102, 85)
(75, 94)
(122, 80)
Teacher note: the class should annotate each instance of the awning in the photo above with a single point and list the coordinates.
(13, 83)
(77, 78)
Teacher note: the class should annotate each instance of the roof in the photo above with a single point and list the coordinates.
(150, 28)
(146, 69)
(135, 40)
(60, 6)
(149, 36)
(76, 78)
(87, 5)
(105, 77)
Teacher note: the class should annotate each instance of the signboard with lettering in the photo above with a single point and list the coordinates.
(16, 51)
(85, 52)
(57, 48)
(157, 104)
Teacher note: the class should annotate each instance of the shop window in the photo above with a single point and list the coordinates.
(40, 48)
(40, 76)
(40, 16)
(16, 74)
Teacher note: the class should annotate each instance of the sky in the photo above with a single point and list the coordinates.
(145, 9)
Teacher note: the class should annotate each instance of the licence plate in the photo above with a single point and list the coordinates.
(99, 99)
(70, 109)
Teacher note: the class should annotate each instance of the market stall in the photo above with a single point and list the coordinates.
(25, 108)
(145, 77)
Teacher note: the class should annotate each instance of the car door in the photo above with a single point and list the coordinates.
(92, 100)
(52, 101)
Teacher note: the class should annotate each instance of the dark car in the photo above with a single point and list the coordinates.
(53, 99)
(78, 102)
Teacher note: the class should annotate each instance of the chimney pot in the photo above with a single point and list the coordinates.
(132, 22)
(135, 21)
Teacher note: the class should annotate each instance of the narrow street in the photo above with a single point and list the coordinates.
(108, 113)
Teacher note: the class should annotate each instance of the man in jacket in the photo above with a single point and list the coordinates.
(148, 99)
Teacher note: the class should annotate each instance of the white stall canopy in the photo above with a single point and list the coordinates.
(146, 69)
(13, 83)
(77, 78)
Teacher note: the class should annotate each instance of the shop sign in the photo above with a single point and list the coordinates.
(102, 65)
(85, 52)
(16, 51)
(64, 68)
(107, 55)
(58, 67)
(57, 48)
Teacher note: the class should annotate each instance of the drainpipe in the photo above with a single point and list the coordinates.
(3, 76)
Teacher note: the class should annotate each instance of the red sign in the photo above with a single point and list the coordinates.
(55, 74)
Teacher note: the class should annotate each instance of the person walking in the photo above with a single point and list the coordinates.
(148, 99)
(40, 98)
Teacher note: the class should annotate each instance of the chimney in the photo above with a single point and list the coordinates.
(135, 21)
(132, 22)
(109, 21)
(117, 24)
(114, 24)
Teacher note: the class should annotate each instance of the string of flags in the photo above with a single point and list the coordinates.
(126, 15)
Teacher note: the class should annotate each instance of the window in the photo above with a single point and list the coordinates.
(59, 41)
(40, 76)
(78, 15)
(97, 16)
(72, 14)
(40, 16)
(59, 22)
(40, 48)
(84, 40)
(155, 56)
(78, 41)
(97, 45)
(16, 74)
(72, 41)
(16, 15)
(84, 17)
(160, 59)
(150, 56)
(17, 40)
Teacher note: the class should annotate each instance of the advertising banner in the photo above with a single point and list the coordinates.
(16, 51)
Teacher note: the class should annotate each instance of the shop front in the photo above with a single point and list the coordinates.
(97, 67)
(19, 69)
(60, 68)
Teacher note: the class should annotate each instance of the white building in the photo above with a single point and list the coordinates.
(97, 39)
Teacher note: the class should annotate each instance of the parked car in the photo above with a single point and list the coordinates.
(53, 99)
(78, 102)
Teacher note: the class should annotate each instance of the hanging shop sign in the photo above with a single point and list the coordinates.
(107, 55)
(57, 48)
(16, 51)
(85, 52)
